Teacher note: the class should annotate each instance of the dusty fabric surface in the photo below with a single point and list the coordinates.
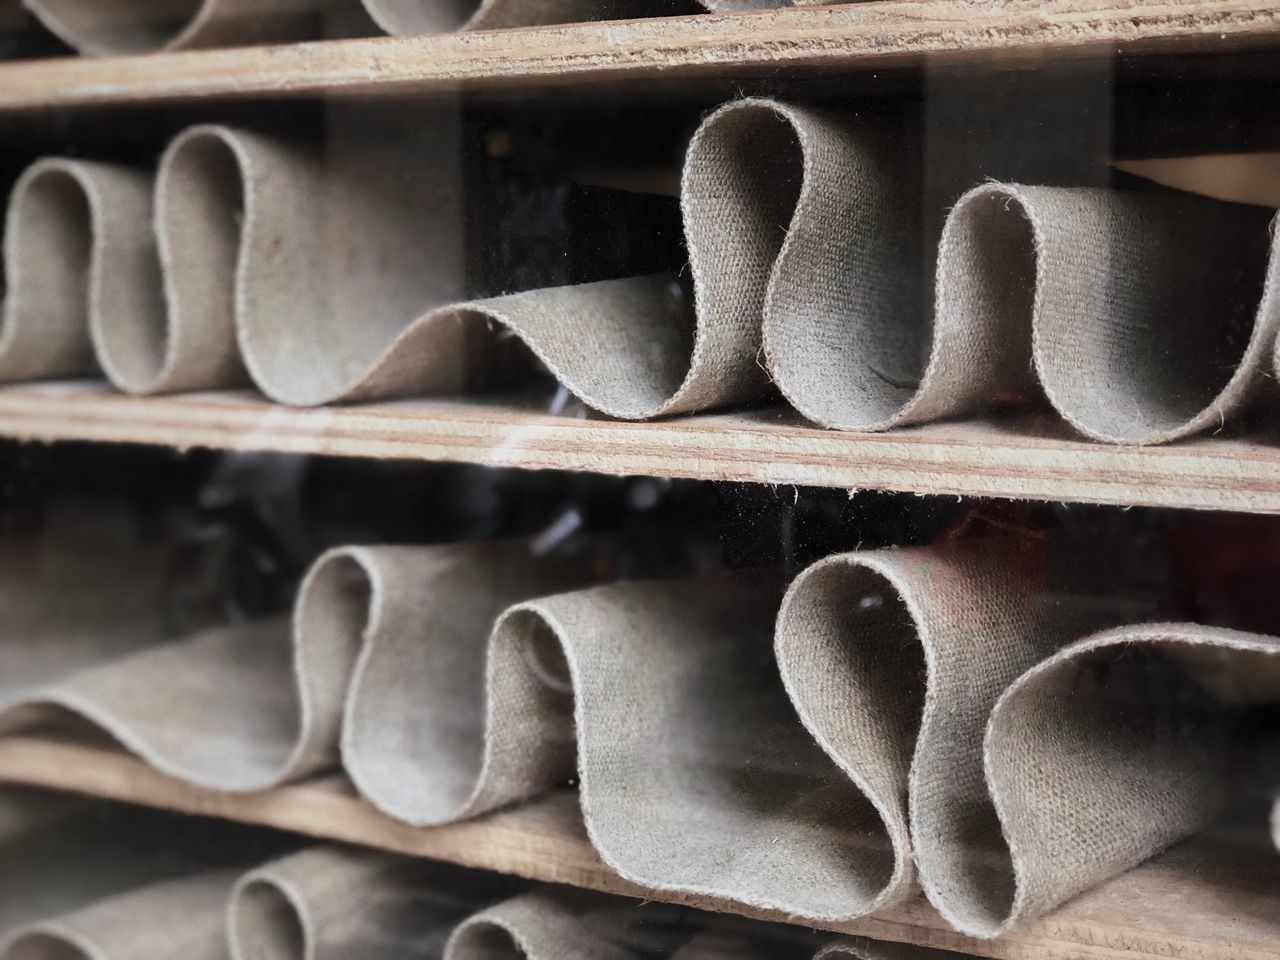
(247, 706)
(744, 802)
(182, 919)
(1015, 773)
(138, 26)
(1118, 712)
(335, 275)
(560, 924)
(87, 878)
(329, 902)
(98, 27)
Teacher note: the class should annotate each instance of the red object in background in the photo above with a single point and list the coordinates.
(1226, 569)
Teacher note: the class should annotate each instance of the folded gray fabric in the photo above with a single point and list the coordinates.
(86, 590)
(894, 660)
(558, 924)
(694, 774)
(1017, 776)
(336, 276)
(1128, 714)
(183, 919)
(86, 878)
(138, 26)
(330, 902)
(250, 705)
(1148, 316)
(96, 27)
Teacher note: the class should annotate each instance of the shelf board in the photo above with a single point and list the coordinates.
(1212, 898)
(856, 37)
(1023, 457)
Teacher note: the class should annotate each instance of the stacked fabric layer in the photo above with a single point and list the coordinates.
(95, 883)
(325, 275)
(945, 717)
(137, 26)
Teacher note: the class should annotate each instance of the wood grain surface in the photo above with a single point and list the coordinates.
(869, 37)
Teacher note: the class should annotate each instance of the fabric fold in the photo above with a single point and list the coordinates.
(246, 706)
(182, 918)
(894, 660)
(667, 694)
(1142, 716)
(329, 902)
(1016, 764)
(102, 27)
(558, 924)
(116, 27)
(1149, 315)
(337, 275)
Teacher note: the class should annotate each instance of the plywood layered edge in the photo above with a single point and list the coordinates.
(1205, 900)
(1020, 458)
(858, 36)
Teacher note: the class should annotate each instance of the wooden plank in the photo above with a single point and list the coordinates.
(1023, 458)
(1208, 899)
(866, 37)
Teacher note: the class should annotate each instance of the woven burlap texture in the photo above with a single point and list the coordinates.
(745, 805)
(1118, 712)
(896, 661)
(87, 879)
(336, 275)
(562, 924)
(186, 915)
(329, 902)
(250, 705)
(105, 27)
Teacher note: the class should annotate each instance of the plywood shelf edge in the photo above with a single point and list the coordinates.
(1162, 909)
(866, 36)
(1019, 458)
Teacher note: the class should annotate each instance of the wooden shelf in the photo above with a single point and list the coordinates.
(1024, 458)
(1212, 898)
(866, 37)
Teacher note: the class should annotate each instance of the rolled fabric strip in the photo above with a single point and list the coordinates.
(1105, 754)
(894, 660)
(251, 705)
(85, 591)
(99, 27)
(1150, 316)
(337, 276)
(113, 27)
(181, 919)
(667, 693)
(564, 925)
(329, 901)
(330, 281)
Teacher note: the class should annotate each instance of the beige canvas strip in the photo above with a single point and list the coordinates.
(336, 276)
(98, 27)
(249, 705)
(186, 915)
(1016, 777)
(330, 902)
(106, 27)
(561, 924)
(1114, 713)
